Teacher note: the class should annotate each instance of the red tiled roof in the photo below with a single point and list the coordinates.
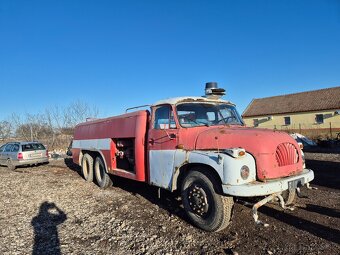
(316, 100)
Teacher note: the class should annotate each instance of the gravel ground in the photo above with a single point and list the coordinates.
(50, 209)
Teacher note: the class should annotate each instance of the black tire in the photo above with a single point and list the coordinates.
(204, 207)
(10, 165)
(102, 177)
(87, 167)
(289, 196)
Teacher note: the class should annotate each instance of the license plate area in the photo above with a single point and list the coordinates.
(296, 183)
(35, 155)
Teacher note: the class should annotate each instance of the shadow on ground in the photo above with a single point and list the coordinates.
(327, 173)
(167, 200)
(330, 212)
(316, 229)
(45, 224)
(69, 163)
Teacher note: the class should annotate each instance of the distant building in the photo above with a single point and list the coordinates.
(317, 111)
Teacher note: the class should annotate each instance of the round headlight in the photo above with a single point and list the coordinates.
(244, 172)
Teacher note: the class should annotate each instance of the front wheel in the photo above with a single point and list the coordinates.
(205, 208)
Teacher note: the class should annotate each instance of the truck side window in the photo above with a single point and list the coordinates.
(211, 116)
(164, 118)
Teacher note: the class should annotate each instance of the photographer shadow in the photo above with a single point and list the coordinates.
(45, 224)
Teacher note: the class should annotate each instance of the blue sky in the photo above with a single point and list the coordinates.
(118, 54)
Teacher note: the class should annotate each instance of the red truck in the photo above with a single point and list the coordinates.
(198, 146)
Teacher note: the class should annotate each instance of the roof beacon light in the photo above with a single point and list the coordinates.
(212, 91)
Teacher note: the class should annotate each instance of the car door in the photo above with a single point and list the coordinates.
(14, 152)
(7, 152)
(162, 145)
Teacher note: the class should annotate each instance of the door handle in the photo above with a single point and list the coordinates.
(151, 141)
(172, 136)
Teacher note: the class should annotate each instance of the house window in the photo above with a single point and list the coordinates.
(256, 122)
(319, 118)
(287, 120)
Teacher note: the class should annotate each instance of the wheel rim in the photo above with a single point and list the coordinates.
(198, 200)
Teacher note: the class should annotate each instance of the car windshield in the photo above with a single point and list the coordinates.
(207, 114)
(32, 147)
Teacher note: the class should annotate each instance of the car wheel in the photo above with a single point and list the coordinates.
(87, 167)
(204, 207)
(102, 177)
(10, 165)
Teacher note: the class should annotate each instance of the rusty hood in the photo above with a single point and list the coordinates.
(276, 153)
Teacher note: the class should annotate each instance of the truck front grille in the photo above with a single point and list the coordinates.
(286, 154)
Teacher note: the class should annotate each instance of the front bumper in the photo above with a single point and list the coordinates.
(256, 188)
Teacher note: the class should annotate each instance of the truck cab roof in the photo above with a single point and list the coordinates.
(176, 100)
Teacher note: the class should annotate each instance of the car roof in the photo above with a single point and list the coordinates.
(23, 143)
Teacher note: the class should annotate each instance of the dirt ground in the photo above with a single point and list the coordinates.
(50, 209)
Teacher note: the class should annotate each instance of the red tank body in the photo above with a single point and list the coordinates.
(132, 126)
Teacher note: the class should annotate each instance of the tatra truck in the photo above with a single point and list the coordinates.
(198, 147)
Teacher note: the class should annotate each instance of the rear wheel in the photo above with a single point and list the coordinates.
(87, 167)
(102, 177)
(10, 165)
(205, 208)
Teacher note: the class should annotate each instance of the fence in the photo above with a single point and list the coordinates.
(313, 131)
(58, 142)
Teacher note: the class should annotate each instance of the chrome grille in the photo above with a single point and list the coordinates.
(286, 154)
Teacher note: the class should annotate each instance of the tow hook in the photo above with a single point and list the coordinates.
(283, 205)
(310, 187)
(266, 200)
(276, 197)
(298, 191)
(258, 205)
(299, 194)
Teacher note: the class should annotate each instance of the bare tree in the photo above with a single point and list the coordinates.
(5, 130)
(54, 126)
(32, 127)
(77, 112)
(17, 123)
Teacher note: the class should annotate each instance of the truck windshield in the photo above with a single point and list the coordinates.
(205, 114)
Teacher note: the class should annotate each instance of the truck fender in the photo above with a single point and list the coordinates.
(180, 173)
(93, 154)
(185, 160)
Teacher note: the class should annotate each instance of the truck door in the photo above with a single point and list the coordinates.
(162, 142)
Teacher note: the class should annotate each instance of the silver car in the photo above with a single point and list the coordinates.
(15, 154)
